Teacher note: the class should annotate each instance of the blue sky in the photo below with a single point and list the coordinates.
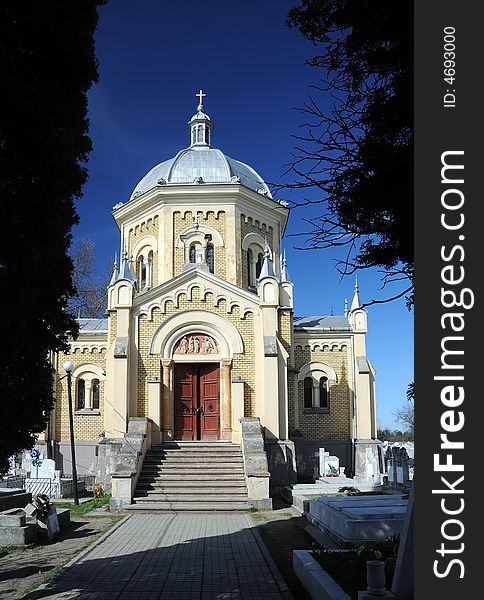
(153, 58)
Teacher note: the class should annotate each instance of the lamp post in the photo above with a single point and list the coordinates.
(68, 369)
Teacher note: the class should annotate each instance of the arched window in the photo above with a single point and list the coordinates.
(258, 266)
(95, 394)
(250, 260)
(308, 392)
(149, 275)
(323, 393)
(141, 273)
(210, 258)
(81, 394)
(315, 378)
(200, 133)
(193, 253)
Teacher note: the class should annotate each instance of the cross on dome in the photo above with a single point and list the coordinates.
(200, 96)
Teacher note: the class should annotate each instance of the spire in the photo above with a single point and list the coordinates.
(346, 307)
(267, 269)
(285, 277)
(200, 125)
(115, 274)
(356, 297)
(126, 272)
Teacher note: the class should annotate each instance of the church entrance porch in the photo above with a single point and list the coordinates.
(197, 402)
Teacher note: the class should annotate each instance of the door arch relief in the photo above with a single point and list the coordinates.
(196, 345)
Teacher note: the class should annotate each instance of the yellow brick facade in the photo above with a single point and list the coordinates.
(87, 425)
(250, 225)
(214, 219)
(334, 425)
(148, 227)
(243, 364)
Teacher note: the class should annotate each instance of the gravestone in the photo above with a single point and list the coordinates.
(328, 464)
(50, 523)
(323, 456)
(46, 470)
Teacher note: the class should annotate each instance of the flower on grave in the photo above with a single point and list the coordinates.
(35, 457)
(349, 490)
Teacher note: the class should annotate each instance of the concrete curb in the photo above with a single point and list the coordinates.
(318, 584)
(36, 593)
(281, 584)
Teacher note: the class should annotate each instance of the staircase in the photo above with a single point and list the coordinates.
(199, 476)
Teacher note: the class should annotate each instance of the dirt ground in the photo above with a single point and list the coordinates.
(283, 530)
(24, 568)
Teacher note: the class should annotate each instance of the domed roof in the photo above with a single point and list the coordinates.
(200, 163)
(209, 164)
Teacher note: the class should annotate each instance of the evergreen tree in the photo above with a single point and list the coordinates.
(48, 64)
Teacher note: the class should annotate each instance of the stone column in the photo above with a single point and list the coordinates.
(154, 408)
(87, 394)
(226, 399)
(237, 407)
(168, 421)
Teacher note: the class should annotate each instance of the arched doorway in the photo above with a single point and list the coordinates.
(197, 401)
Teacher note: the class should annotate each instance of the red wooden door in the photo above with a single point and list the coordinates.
(209, 402)
(196, 402)
(185, 402)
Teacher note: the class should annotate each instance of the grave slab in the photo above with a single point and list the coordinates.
(358, 519)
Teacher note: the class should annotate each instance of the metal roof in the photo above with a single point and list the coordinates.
(211, 164)
(93, 325)
(322, 323)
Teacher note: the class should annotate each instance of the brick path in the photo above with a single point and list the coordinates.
(176, 556)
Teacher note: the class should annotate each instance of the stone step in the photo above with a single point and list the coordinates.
(200, 454)
(206, 498)
(144, 481)
(180, 490)
(200, 478)
(187, 506)
(194, 467)
(190, 461)
(195, 445)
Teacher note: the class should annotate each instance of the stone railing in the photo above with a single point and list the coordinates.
(255, 463)
(125, 460)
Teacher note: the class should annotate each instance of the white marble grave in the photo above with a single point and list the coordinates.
(328, 464)
(354, 520)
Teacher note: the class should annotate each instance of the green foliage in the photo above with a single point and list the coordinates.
(78, 510)
(48, 64)
(357, 152)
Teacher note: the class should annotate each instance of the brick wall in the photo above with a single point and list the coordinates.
(243, 364)
(86, 426)
(334, 425)
(215, 220)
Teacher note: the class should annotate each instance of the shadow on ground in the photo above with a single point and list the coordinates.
(152, 564)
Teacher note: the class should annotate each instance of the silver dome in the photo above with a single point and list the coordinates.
(212, 165)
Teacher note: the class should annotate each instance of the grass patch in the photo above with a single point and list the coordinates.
(77, 510)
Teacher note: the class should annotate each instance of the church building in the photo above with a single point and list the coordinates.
(200, 329)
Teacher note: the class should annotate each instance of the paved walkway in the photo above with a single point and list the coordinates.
(190, 556)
